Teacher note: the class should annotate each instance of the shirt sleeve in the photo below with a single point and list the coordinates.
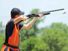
(20, 25)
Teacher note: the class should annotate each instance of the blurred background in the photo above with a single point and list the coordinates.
(47, 34)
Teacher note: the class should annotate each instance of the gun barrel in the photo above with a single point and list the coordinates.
(56, 10)
(48, 12)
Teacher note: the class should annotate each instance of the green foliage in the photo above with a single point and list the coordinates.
(35, 11)
(56, 37)
(1, 40)
(1, 34)
(52, 38)
(34, 44)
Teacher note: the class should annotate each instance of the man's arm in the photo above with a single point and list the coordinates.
(29, 25)
(21, 18)
(24, 18)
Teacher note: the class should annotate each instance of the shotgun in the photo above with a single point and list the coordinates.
(44, 13)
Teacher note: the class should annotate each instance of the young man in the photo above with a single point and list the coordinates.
(12, 29)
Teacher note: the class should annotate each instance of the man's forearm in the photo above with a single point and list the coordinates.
(21, 18)
(29, 25)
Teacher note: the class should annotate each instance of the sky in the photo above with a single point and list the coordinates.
(28, 5)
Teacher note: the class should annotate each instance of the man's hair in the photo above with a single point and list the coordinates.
(16, 11)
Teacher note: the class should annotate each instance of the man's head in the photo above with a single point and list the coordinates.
(15, 12)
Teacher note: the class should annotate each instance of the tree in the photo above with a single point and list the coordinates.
(1, 34)
(34, 44)
(52, 38)
(1, 28)
(56, 37)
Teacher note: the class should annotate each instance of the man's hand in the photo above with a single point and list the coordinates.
(41, 15)
(24, 18)
(20, 18)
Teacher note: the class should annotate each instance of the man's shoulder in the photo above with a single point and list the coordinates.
(10, 22)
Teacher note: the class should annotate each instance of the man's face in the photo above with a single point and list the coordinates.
(17, 16)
